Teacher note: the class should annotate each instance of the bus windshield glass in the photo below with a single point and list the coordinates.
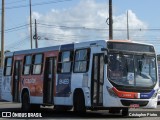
(132, 70)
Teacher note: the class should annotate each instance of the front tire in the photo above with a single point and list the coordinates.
(125, 112)
(79, 103)
(114, 111)
(25, 102)
(62, 108)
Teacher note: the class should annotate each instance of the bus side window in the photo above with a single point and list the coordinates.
(8, 66)
(81, 61)
(27, 65)
(65, 62)
(37, 64)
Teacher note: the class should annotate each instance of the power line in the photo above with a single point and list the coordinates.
(18, 43)
(18, 1)
(37, 4)
(13, 44)
(80, 27)
(15, 28)
(20, 27)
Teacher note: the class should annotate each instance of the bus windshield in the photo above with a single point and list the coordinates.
(132, 70)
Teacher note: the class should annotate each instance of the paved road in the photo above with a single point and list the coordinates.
(48, 113)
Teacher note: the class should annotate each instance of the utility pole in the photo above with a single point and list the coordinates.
(30, 23)
(2, 35)
(127, 26)
(36, 36)
(110, 21)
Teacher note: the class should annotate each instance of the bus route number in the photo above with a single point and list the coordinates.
(64, 81)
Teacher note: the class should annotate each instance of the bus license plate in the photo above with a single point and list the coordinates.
(134, 105)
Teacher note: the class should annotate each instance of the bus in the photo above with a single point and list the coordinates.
(158, 61)
(112, 75)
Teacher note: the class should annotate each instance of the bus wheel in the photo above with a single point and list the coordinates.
(62, 108)
(35, 106)
(79, 103)
(125, 112)
(114, 110)
(25, 102)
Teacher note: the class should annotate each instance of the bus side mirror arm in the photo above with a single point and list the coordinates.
(105, 59)
(105, 56)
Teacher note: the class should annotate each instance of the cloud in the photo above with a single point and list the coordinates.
(83, 22)
(135, 25)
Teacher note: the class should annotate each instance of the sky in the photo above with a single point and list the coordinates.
(67, 21)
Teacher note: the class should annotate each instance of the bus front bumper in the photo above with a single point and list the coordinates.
(141, 103)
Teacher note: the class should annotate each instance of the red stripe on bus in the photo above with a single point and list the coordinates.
(123, 94)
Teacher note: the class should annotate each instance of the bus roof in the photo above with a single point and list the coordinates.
(129, 41)
(9, 54)
(30, 51)
(86, 43)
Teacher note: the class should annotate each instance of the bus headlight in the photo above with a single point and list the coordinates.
(154, 95)
(111, 92)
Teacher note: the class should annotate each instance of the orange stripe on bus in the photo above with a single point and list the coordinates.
(123, 94)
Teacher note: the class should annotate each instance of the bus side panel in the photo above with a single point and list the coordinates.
(34, 83)
(6, 88)
(6, 81)
(63, 94)
(83, 80)
(159, 80)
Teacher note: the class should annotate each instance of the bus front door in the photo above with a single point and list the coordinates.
(16, 79)
(49, 78)
(97, 80)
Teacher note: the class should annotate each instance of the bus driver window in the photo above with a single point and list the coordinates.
(115, 68)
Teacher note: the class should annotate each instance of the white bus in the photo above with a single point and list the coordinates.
(96, 75)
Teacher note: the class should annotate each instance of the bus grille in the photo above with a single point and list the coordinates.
(129, 102)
